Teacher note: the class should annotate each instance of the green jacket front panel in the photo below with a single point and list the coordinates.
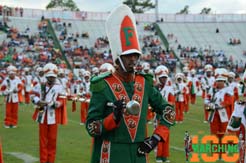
(98, 110)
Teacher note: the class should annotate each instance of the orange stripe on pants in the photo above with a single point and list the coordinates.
(47, 142)
(11, 114)
(218, 128)
(186, 103)
(163, 148)
(179, 107)
(193, 99)
(27, 97)
(83, 111)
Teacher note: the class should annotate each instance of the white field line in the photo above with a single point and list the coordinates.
(23, 156)
(177, 148)
(76, 122)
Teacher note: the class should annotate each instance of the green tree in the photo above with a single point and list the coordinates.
(206, 11)
(63, 4)
(139, 6)
(185, 10)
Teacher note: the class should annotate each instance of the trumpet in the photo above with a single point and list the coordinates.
(212, 107)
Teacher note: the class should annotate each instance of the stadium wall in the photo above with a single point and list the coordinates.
(84, 15)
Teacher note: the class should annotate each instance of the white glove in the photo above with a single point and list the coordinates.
(15, 90)
(54, 104)
(211, 106)
(57, 104)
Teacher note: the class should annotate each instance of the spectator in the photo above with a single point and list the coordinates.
(217, 30)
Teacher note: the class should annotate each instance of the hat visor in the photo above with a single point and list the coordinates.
(12, 72)
(160, 76)
(221, 79)
(131, 51)
(51, 75)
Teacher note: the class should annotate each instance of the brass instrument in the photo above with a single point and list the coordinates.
(132, 107)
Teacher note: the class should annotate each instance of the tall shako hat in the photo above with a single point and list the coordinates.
(122, 33)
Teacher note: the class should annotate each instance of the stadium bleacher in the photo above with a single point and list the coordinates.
(202, 35)
(187, 34)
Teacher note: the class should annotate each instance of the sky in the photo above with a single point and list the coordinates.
(165, 6)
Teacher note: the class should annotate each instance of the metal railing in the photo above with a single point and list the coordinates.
(147, 17)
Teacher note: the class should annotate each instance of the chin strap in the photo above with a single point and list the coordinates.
(122, 65)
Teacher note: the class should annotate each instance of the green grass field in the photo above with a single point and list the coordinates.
(74, 144)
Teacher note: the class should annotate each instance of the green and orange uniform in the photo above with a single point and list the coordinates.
(115, 142)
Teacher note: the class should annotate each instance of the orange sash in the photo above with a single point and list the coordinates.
(131, 121)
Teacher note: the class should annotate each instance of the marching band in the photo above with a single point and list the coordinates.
(224, 110)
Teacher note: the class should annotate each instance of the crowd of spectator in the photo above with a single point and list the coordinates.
(11, 11)
(25, 47)
(198, 58)
(154, 52)
(86, 57)
(234, 41)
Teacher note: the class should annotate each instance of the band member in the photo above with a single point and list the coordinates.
(63, 81)
(195, 86)
(74, 85)
(180, 92)
(39, 77)
(118, 107)
(207, 83)
(85, 95)
(50, 111)
(218, 104)
(237, 126)
(167, 92)
(189, 85)
(27, 82)
(233, 88)
(150, 114)
(237, 122)
(81, 75)
(146, 68)
(106, 67)
(95, 71)
(11, 88)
